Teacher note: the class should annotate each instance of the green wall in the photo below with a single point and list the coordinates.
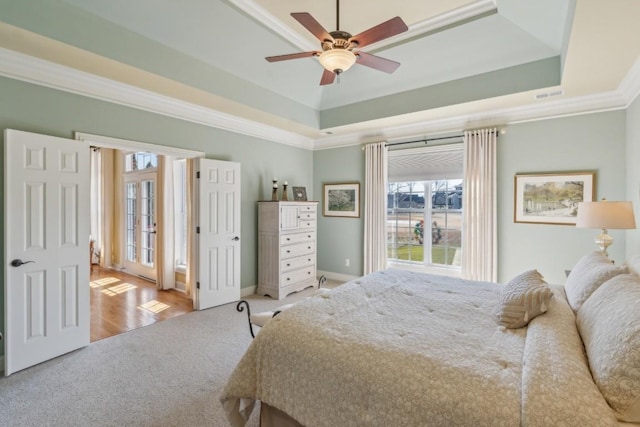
(591, 142)
(37, 109)
(339, 238)
(633, 173)
(587, 142)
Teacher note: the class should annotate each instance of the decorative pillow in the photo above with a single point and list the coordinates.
(609, 323)
(523, 298)
(589, 273)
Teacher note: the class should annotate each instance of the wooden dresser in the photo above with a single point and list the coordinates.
(286, 247)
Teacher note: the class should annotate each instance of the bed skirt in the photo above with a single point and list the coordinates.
(274, 417)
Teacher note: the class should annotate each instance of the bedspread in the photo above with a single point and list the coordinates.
(558, 388)
(393, 348)
(398, 348)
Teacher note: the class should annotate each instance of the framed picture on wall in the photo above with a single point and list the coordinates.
(342, 200)
(552, 198)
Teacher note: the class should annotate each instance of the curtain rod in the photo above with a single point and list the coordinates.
(425, 140)
(498, 132)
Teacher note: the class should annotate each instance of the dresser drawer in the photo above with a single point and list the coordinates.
(309, 208)
(287, 239)
(297, 250)
(295, 263)
(307, 223)
(297, 275)
(307, 216)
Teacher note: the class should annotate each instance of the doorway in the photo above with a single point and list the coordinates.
(126, 291)
(43, 227)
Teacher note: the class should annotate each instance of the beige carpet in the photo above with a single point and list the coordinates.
(167, 374)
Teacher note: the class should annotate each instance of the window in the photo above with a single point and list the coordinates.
(425, 221)
(140, 161)
(424, 206)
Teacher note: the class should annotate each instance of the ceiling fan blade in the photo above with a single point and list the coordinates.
(382, 64)
(314, 27)
(382, 31)
(327, 77)
(291, 56)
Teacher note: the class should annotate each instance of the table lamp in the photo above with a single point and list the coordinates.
(605, 215)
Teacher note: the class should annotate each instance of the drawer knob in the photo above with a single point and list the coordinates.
(288, 278)
(288, 265)
(288, 252)
(288, 239)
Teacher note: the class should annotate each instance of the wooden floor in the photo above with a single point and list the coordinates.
(121, 302)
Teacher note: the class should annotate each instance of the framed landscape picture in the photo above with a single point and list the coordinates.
(342, 200)
(552, 198)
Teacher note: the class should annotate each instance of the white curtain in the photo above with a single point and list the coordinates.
(165, 226)
(479, 225)
(96, 204)
(375, 207)
(108, 215)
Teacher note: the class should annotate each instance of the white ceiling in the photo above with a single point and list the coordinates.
(447, 41)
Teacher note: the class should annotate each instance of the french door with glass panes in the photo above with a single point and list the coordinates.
(140, 224)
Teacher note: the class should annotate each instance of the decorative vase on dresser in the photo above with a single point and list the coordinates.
(286, 247)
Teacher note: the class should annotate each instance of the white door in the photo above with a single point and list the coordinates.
(140, 224)
(218, 277)
(46, 238)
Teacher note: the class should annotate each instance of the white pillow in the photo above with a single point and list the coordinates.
(523, 298)
(609, 323)
(589, 273)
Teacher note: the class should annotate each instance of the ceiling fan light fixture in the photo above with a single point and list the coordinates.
(337, 60)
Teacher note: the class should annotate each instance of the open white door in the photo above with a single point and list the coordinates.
(218, 247)
(46, 238)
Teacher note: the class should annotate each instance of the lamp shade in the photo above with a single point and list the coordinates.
(337, 60)
(606, 215)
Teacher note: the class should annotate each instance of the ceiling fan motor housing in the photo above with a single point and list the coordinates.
(340, 41)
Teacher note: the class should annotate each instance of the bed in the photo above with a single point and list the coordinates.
(399, 348)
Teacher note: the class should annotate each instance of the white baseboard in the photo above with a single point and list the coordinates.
(336, 276)
(249, 290)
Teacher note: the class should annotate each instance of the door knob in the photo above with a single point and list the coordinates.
(18, 262)
(236, 238)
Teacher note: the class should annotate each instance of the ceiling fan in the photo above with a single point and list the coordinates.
(340, 50)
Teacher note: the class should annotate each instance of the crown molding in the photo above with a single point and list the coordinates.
(26, 68)
(617, 99)
(445, 20)
(269, 21)
(34, 70)
(453, 17)
(630, 85)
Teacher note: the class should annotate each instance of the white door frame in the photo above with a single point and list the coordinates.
(130, 145)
